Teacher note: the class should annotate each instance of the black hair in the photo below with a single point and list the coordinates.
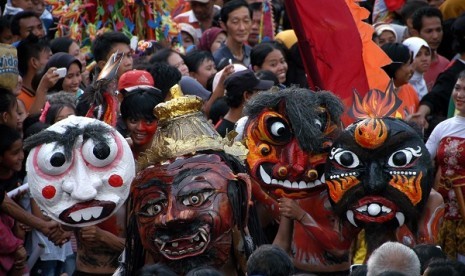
(442, 267)
(428, 252)
(218, 110)
(261, 51)
(54, 110)
(4, 24)
(61, 45)
(234, 100)
(399, 54)
(140, 63)
(267, 75)
(232, 6)
(409, 9)
(8, 137)
(15, 27)
(257, 6)
(162, 56)
(427, 11)
(139, 104)
(157, 269)
(103, 44)
(7, 100)
(270, 260)
(458, 32)
(301, 107)
(164, 76)
(195, 58)
(204, 271)
(28, 48)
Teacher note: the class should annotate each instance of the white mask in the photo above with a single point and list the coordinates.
(88, 186)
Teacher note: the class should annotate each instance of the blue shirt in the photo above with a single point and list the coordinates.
(223, 54)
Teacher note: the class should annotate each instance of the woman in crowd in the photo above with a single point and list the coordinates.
(212, 39)
(270, 56)
(72, 80)
(446, 147)
(172, 58)
(67, 45)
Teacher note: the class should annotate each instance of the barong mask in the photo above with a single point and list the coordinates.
(379, 171)
(191, 197)
(288, 135)
(79, 170)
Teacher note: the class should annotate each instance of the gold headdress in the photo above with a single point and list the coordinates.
(183, 129)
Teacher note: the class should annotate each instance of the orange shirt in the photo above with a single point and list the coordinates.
(410, 101)
(28, 97)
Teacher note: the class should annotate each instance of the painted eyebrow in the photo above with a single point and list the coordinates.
(67, 139)
(150, 183)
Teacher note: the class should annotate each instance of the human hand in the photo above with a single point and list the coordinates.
(290, 209)
(55, 233)
(228, 70)
(90, 234)
(49, 79)
(419, 119)
(20, 258)
(24, 227)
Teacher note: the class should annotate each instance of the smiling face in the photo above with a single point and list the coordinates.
(183, 211)
(276, 63)
(73, 79)
(79, 171)
(12, 159)
(141, 130)
(379, 172)
(458, 96)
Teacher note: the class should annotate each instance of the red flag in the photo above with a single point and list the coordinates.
(336, 47)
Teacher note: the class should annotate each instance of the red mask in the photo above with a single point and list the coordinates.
(183, 212)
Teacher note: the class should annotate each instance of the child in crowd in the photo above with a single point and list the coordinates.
(22, 115)
(201, 66)
(400, 71)
(137, 108)
(8, 109)
(58, 107)
(12, 252)
(421, 62)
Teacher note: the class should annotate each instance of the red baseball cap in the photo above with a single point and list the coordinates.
(135, 78)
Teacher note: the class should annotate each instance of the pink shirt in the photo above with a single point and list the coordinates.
(8, 243)
(434, 70)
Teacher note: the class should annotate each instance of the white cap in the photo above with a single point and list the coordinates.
(237, 67)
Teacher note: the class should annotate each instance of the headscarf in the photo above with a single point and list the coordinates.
(59, 60)
(208, 37)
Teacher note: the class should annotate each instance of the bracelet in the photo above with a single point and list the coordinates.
(303, 215)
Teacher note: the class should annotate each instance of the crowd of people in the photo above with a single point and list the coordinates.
(221, 57)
